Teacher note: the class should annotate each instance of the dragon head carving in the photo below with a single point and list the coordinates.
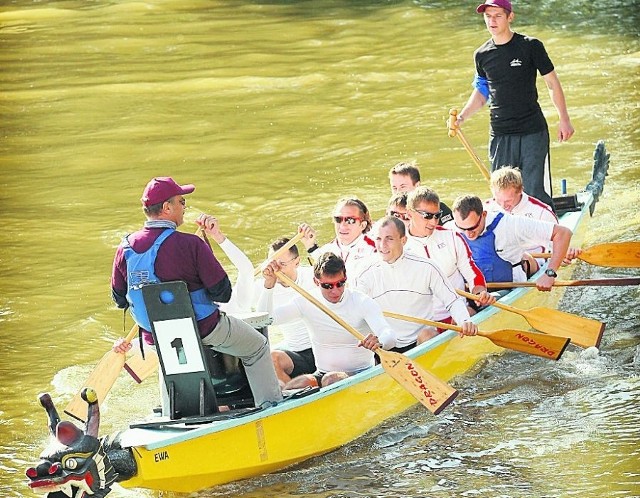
(76, 463)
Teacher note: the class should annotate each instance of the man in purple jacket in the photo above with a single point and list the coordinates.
(159, 253)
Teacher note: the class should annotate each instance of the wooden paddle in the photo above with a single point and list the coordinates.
(295, 239)
(547, 346)
(570, 283)
(612, 254)
(102, 378)
(140, 368)
(455, 131)
(582, 331)
(422, 384)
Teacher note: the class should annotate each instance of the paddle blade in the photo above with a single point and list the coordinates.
(582, 331)
(140, 368)
(101, 380)
(423, 385)
(546, 346)
(613, 254)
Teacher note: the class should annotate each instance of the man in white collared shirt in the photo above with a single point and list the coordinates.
(409, 284)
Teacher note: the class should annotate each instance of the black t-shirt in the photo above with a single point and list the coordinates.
(511, 71)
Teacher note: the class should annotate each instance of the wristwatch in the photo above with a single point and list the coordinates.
(550, 273)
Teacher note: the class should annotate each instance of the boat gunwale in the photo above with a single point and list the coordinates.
(169, 435)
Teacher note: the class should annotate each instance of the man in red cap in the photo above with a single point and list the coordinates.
(506, 71)
(159, 253)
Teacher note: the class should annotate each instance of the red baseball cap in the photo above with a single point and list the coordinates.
(161, 188)
(504, 4)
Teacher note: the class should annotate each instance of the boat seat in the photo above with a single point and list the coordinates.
(180, 351)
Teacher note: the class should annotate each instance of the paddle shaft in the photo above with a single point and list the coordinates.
(457, 132)
(570, 283)
(422, 384)
(294, 240)
(546, 346)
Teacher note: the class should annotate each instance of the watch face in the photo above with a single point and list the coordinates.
(551, 273)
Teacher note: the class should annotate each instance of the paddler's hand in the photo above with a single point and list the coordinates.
(468, 328)
(572, 253)
(565, 130)
(120, 346)
(545, 283)
(371, 342)
(308, 235)
(269, 274)
(486, 298)
(211, 226)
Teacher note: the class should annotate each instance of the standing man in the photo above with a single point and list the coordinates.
(506, 70)
(159, 253)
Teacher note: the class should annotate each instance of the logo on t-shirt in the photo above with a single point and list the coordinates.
(515, 63)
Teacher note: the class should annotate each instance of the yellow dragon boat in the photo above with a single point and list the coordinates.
(190, 456)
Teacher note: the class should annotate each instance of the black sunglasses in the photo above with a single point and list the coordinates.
(331, 285)
(349, 220)
(427, 215)
(400, 216)
(470, 229)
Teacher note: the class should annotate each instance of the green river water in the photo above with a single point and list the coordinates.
(275, 109)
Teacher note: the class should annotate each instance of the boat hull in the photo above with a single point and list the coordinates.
(190, 459)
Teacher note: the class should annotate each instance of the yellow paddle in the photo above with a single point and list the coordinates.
(455, 131)
(570, 283)
(295, 239)
(547, 346)
(101, 380)
(582, 331)
(422, 384)
(613, 254)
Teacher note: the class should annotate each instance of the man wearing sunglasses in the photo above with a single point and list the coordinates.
(409, 284)
(337, 353)
(405, 177)
(293, 356)
(160, 253)
(351, 222)
(499, 241)
(446, 247)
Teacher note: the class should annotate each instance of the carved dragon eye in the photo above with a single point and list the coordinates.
(71, 463)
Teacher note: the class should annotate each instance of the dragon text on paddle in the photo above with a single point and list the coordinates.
(417, 378)
(525, 338)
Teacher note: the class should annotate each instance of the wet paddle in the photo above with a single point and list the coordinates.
(422, 384)
(294, 240)
(582, 331)
(608, 282)
(547, 346)
(140, 368)
(612, 254)
(102, 378)
(455, 131)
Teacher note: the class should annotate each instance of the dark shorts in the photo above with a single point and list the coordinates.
(530, 154)
(303, 362)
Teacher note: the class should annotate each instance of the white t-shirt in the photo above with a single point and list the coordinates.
(295, 333)
(412, 285)
(242, 294)
(334, 348)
